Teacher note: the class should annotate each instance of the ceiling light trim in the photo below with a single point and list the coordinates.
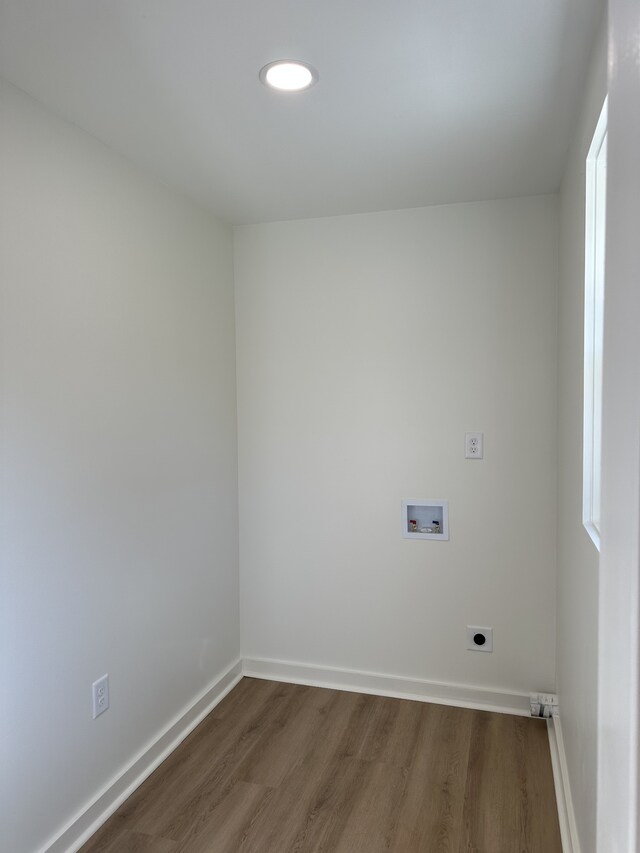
(301, 76)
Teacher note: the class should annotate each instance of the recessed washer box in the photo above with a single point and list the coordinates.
(427, 519)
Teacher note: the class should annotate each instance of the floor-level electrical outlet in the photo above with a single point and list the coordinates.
(100, 695)
(544, 705)
(479, 639)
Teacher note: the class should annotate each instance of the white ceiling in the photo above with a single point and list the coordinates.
(419, 101)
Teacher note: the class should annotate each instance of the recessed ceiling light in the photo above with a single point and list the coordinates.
(288, 75)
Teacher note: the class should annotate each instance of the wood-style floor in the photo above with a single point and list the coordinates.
(278, 768)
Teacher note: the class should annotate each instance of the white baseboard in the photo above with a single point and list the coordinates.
(88, 821)
(460, 695)
(566, 814)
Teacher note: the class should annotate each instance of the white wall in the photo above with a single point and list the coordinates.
(367, 346)
(618, 755)
(119, 467)
(577, 633)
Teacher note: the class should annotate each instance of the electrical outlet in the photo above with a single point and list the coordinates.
(544, 705)
(100, 695)
(473, 445)
(479, 639)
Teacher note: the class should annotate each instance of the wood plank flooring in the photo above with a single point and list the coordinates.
(281, 768)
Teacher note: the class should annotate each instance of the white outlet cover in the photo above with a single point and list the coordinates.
(100, 695)
(472, 645)
(473, 445)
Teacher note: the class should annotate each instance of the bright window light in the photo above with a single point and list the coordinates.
(595, 230)
(288, 75)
